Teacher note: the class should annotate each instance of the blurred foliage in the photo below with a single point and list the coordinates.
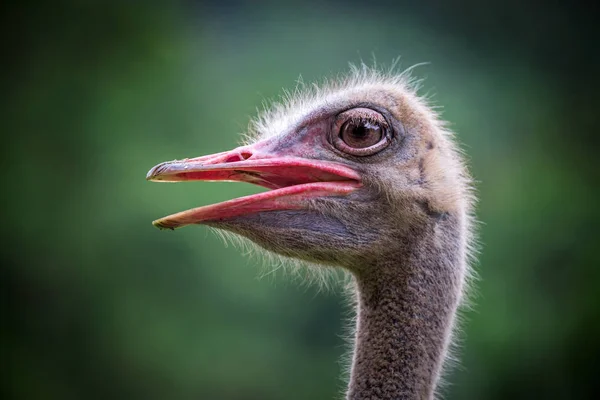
(99, 304)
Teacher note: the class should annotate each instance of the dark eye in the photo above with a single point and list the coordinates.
(361, 132)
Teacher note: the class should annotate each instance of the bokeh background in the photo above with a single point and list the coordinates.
(97, 303)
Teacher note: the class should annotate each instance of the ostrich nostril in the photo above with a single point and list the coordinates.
(245, 155)
(238, 156)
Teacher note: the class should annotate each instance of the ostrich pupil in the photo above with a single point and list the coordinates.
(364, 134)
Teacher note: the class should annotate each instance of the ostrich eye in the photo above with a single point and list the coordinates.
(361, 132)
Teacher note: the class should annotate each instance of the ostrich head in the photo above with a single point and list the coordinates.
(362, 175)
(354, 168)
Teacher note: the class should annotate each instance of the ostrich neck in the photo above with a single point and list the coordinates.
(405, 314)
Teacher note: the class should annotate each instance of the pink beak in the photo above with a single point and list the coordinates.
(293, 180)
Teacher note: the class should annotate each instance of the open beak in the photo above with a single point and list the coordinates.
(293, 182)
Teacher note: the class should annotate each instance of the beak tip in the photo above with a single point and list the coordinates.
(155, 172)
(152, 173)
(160, 224)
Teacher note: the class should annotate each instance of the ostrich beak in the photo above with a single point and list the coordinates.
(293, 182)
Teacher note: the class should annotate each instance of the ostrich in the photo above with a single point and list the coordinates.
(363, 175)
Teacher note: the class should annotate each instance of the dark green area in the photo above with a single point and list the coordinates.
(97, 303)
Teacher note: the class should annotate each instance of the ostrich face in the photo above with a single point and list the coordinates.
(350, 172)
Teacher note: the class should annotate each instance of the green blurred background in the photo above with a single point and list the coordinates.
(97, 303)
